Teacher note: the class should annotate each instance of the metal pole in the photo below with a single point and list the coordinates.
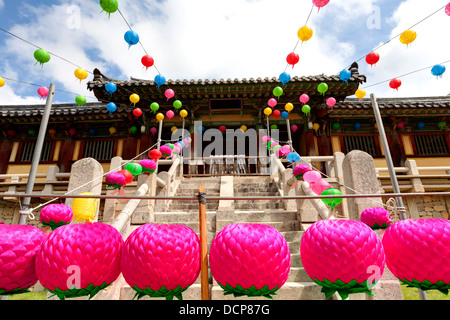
(159, 134)
(289, 134)
(390, 165)
(37, 155)
(203, 243)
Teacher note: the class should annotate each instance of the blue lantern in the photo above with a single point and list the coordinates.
(110, 88)
(420, 125)
(201, 129)
(92, 132)
(357, 125)
(131, 37)
(438, 70)
(159, 80)
(344, 75)
(182, 144)
(111, 107)
(284, 78)
(292, 157)
(284, 115)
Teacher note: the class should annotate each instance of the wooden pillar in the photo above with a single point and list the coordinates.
(5, 152)
(129, 148)
(65, 158)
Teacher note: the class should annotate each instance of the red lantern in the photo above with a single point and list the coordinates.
(395, 84)
(276, 113)
(147, 61)
(128, 176)
(155, 154)
(72, 131)
(137, 112)
(222, 129)
(372, 58)
(293, 59)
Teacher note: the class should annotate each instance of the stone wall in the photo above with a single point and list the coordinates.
(9, 213)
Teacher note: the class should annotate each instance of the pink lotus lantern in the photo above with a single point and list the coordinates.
(250, 259)
(161, 260)
(43, 92)
(166, 151)
(340, 256)
(56, 215)
(18, 247)
(418, 253)
(115, 180)
(148, 166)
(447, 9)
(79, 259)
(376, 218)
(320, 186)
(300, 170)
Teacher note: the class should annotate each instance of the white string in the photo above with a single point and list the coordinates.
(83, 185)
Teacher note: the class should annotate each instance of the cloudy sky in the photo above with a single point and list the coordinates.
(211, 39)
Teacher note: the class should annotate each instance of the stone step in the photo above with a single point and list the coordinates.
(257, 204)
(298, 274)
(177, 217)
(191, 293)
(254, 188)
(258, 194)
(257, 216)
(192, 208)
(193, 193)
(291, 225)
(289, 291)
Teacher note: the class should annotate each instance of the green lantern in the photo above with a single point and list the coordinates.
(336, 126)
(441, 125)
(177, 104)
(322, 88)
(134, 168)
(109, 6)
(306, 109)
(332, 202)
(42, 56)
(80, 100)
(274, 127)
(133, 130)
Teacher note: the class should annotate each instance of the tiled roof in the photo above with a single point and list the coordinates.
(396, 103)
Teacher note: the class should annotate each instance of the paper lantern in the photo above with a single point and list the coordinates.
(272, 102)
(331, 102)
(372, 58)
(306, 109)
(160, 80)
(273, 127)
(111, 107)
(110, 88)
(441, 125)
(134, 98)
(395, 84)
(304, 33)
(292, 157)
(128, 176)
(250, 259)
(153, 131)
(131, 37)
(18, 247)
(304, 98)
(79, 260)
(284, 78)
(80, 100)
(345, 75)
(418, 253)
(447, 9)
(300, 170)
(320, 186)
(320, 3)
(56, 215)
(169, 93)
(155, 154)
(112, 130)
(166, 151)
(336, 125)
(277, 92)
(322, 88)
(289, 107)
(160, 117)
(292, 59)
(316, 126)
(132, 129)
(161, 260)
(81, 74)
(137, 112)
(332, 202)
(173, 129)
(177, 104)
(267, 111)
(276, 113)
(294, 128)
(170, 114)
(115, 180)
(243, 128)
(340, 256)
(134, 168)
(312, 176)
(223, 129)
(376, 218)
(284, 115)
(147, 61)
(42, 56)
(420, 125)
(438, 70)
(84, 209)
(148, 166)
(109, 6)
(183, 113)
(154, 107)
(360, 94)
(407, 37)
(2, 82)
(43, 92)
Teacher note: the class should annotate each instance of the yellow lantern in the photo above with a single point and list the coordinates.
(267, 111)
(305, 33)
(84, 209)
(134, 98)
(316, 126)
(2, 82)
(289, 107)
(173, 129)
(160, 117)
(360, 93)
(243, 128)
(81, 74)
(112, 130)
(407, 37)
(183, 113)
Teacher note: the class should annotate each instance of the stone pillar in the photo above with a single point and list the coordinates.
(360, 175)
(110, 204)
(86, 176)
(144, 213)
(288, 180)
(417, 187)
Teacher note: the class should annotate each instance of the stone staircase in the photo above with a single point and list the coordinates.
(298, 286)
